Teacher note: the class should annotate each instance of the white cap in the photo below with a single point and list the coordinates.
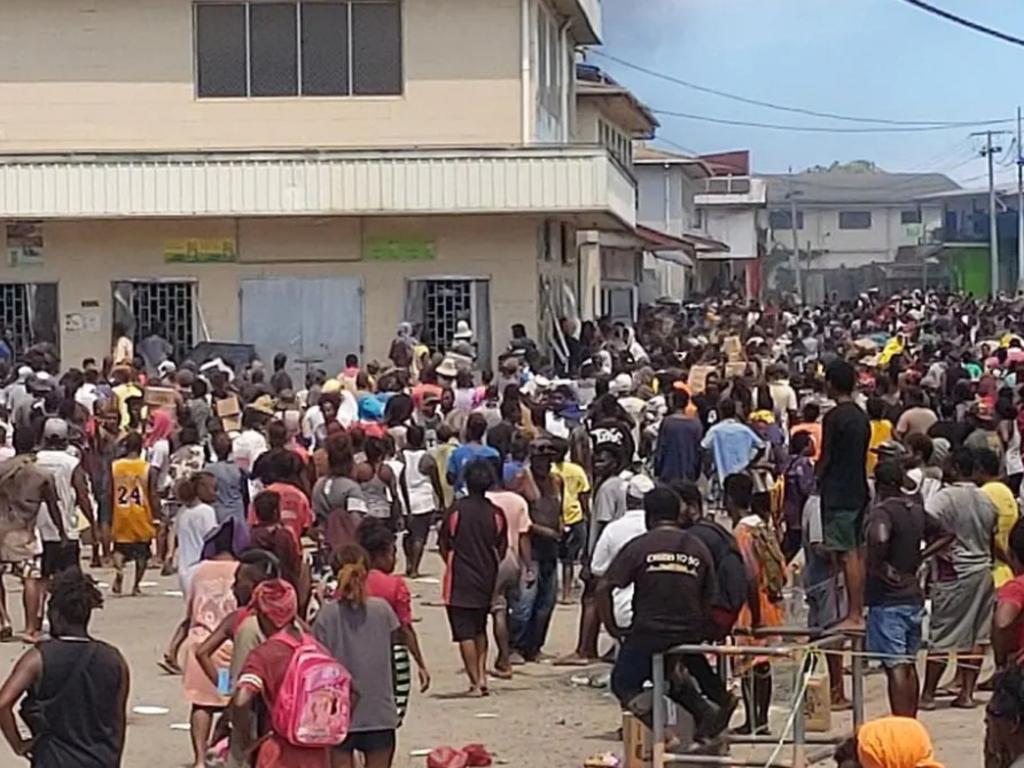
(639, 486)
(621, 384)
(55, 428)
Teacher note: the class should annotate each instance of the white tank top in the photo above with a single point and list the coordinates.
(421, 490)
(1014, 462)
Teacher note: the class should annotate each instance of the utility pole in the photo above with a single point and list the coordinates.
(993, 229)
(1020, 206)
(795, 262)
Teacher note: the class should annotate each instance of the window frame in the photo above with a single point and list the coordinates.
(842, 214)
(788, 214)
(915, 212)
(197, 96)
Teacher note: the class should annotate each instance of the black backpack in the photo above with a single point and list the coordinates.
(730, 570)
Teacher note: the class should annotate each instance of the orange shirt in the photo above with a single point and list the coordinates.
(814, 430)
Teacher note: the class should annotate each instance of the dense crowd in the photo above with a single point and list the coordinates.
(683, 479)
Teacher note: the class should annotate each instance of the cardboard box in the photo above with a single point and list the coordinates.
(161, 397)
(229, 410)
(638, 740)
(698, 378)
(733, 348)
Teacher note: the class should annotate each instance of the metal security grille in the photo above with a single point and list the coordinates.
(16, 315)
(167, 309)
(446, 302)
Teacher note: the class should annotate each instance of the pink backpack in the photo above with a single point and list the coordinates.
(313, 706)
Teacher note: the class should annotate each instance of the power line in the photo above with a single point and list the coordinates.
(966, 22)
(782, 107)
(811, 128)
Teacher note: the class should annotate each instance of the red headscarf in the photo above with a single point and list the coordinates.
(275, 600)
(161, 425)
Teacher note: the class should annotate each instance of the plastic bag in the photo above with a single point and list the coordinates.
(477, 755)
(447, 757)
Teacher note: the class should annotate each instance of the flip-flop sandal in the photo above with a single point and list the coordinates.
(6, 634)
(569, 661)
(169, 667)
(972, 705)
(927, 706)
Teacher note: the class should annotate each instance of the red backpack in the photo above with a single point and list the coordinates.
(313, 705)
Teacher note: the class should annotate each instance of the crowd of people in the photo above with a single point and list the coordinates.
(683, 480)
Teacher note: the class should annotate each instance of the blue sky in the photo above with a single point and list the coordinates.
(876, 58)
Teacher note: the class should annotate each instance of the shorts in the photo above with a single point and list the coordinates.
(32, 568)
(418, 526)
(58, 557)
(369, 741)
(133, 550)
(843, 529)
(467, 623)
(574, 539)
(507, 583)
(962, 612)
(894, 631)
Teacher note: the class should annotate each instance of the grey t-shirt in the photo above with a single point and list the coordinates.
(360, 638)
(230, 503)
(331, 493)
(965, 510)
(609, 505)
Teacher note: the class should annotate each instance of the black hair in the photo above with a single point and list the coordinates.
(842, 376)
(188, 435)
(414, 436)
(986, 461)
(876, 407)
(351, 361)
(479, 475)
(266, 563)
(476, 426)
(922, 445)
(688, 493)
(889, 473)
(375, 450)
(132, 442)
(727, 408)
(1007, 700)
(74, 596)
(799, 442)
(811, 412)
(661, 504)
(963, 462)
(375, 537)
(199, 389)
(25, 439)
(267, 507)
(221, 442)
(1017, 540)
(679, 400)
(739, 488)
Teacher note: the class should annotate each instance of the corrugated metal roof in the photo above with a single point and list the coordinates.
(837, 187)
(405, 182)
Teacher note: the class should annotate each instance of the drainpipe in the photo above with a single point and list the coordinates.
(568, 76)
(525, 71)
(664, 290)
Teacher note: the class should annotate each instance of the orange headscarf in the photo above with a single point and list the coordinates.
(895, 742)
(161, 425)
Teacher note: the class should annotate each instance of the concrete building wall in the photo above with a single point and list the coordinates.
(736, 227)
(79, 75)
(857, 247)
(84, 258)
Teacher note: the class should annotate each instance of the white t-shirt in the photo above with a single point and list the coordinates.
(194, 524)
(61, 465)
(247, 447)
(159, 457)
(616, 535)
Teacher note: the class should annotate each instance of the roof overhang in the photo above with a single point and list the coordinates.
(621, 107)
(674, 257)
(585, 19)
(574, 181)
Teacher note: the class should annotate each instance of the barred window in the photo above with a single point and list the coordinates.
(260, 49)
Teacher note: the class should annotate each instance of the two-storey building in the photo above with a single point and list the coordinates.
(296, 174)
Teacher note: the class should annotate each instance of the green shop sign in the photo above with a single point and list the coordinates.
(399, 249)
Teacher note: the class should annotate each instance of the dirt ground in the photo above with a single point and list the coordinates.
(538, 719)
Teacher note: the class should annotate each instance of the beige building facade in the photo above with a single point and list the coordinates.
(295, 175)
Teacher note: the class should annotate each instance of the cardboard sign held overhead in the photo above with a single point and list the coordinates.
(735, 369)
(733, 348)
(697, 380)
(161, 397)
(230, 412)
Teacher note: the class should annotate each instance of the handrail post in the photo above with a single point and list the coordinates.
(857, 644)
(658, 709)
(799, 714)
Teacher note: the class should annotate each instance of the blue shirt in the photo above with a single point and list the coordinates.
(732, 444)
(678, 454)
(462, 456)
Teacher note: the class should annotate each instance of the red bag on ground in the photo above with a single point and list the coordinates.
(446, 757)
(477, 755)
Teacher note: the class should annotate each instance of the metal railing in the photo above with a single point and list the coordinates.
(816, 641)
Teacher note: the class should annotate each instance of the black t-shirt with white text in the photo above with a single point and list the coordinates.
(674, 586)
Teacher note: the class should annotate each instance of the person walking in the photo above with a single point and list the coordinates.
(473, 540)
(73, 688)
(136, 501)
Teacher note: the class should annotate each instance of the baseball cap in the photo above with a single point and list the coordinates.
(621, 384)
(55, 428)
(639, 486)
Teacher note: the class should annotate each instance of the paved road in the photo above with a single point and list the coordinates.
(539, 718)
